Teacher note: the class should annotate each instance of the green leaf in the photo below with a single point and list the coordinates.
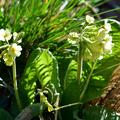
(63, 66)
(70, 95)
(28, 81)
(100, 77)
(41, 66)
(95, 88)
(4, 115)
(71, 74)
(96, 84)
(71, 91)
(47, 73)
(47, 69)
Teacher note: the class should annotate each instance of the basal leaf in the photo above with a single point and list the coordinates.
(41, 66)
(47, 69)
(95, 88)
(28, 81)
(71, 91)
(71, 74)
(47, 73)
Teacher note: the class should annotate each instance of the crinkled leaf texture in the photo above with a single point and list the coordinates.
(41, 66)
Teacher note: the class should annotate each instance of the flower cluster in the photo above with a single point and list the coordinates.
(9, 42)
(73, 37)
(96, 39)
(101, 41)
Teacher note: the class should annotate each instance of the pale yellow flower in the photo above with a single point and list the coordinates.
(100, 58)
(14, 50)
(89, 19)
(5, 34)
(108, 46)
(8, 59)
(108, 38)
(8, 34)
(72, 38)
(15, 35)
(107, 27)
(101, 34)
(2, 33)
(108, 43)
(74, 34)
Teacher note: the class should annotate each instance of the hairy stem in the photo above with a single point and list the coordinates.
(15, 85)
(80, 62)
(57, 105)
(87, 82)
(68, 105)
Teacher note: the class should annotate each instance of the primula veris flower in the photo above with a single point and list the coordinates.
(8, 59)
(101, 34)
(15, 50)
(2, 33)
(15, 35)
(108, 38)
(108, 46)
(107, 27)
(89, 19)
(108, 43)
(98, 42)
(73, 37)
(74, 34)
(101, 57)
(8, 34)
(5, 34)
(93, 50)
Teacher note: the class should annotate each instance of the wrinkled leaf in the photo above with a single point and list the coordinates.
(71, 74)
(42, 67)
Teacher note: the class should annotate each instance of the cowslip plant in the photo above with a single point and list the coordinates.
(93, 43)
(10, 50)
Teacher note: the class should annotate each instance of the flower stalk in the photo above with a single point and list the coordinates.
(80, 62)
(15, 85)
(87, 82)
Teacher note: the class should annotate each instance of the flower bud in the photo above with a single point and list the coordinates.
(107, 27)
(89, 19)
(73, 37)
